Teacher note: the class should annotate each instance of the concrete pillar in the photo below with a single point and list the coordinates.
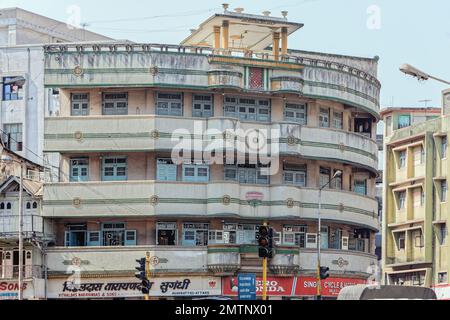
(276, 46)
(216, 37)
(284, 41)
(225, 34)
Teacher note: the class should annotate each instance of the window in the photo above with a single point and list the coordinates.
(337, 181)
(418, 197)
(202, 106)
(75, 235)
(418, 239)
(115, 103)
(402, 159)
(79, 169)
(295, 235)
(195, 234)
(401, 241)
(442, 233)
(296, 113)
(80, 104)
(295, 174)
(404, 121)
(166, 170)
(324, 176)
(338, 120)
(444, 191)
(419, 156)
(360, 186)
(166, 233)
(13, 136)
(444, 147)
(240, 233)
(247, 109)
(256, 78)
(113, 234)
(169, 104)
(442, 278)
(115, 169)
(196, 173)
(401, 200)
(324, 118)
(12, 90)
(246, 174)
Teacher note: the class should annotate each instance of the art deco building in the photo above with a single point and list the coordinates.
(415, 209)
(121, 191)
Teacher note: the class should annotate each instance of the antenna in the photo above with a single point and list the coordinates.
(425, 101)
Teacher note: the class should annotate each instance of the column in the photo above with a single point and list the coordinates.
(276, 46)
(225, 34)
(284, 41)
(216, 37)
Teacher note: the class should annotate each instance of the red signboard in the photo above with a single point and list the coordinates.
(307, 286)
(276, 286)
(304, 286)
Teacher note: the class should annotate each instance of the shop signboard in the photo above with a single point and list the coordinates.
(108, 288)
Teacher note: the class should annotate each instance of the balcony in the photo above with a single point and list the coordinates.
(122, 260)
(8, 272)
(32, 225)
(339, 261)
(204, 200)
(217, 259)
(173, 66)
(161, 133)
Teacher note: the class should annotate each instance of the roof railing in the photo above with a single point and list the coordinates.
(234, 52)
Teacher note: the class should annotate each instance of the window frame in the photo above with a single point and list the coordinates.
(202, 103)
(81, 102)
(115, 110)
(16, 143)
(115, 166)
(297, 109)
(170, 100)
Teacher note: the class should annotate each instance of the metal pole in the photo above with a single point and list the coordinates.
(147, 271)
(264, 293)
(21, 233)
(319, 227)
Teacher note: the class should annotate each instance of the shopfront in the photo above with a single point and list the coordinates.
(130, 288)
(298, 287)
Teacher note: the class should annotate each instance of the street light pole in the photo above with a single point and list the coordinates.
(319, 234)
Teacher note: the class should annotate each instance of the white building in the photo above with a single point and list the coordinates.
(22, 100)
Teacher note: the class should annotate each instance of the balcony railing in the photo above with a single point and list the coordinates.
(28, 271)
(9, 225)
(150, 198)
(239, 53)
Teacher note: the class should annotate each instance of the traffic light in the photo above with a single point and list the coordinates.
(324, 273)
(142, 275)
(265, 242)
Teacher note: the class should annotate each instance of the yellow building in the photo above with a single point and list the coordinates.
(415, 197)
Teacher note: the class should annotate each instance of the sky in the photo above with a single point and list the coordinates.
(398, 31)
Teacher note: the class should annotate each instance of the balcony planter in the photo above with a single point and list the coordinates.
(223, 259)
(286, 260)
(286, 85)
(225, 79)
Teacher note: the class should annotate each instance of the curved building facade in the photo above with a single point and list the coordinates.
(184, 151)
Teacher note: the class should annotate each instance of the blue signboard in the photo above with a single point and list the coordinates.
(247, 286)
